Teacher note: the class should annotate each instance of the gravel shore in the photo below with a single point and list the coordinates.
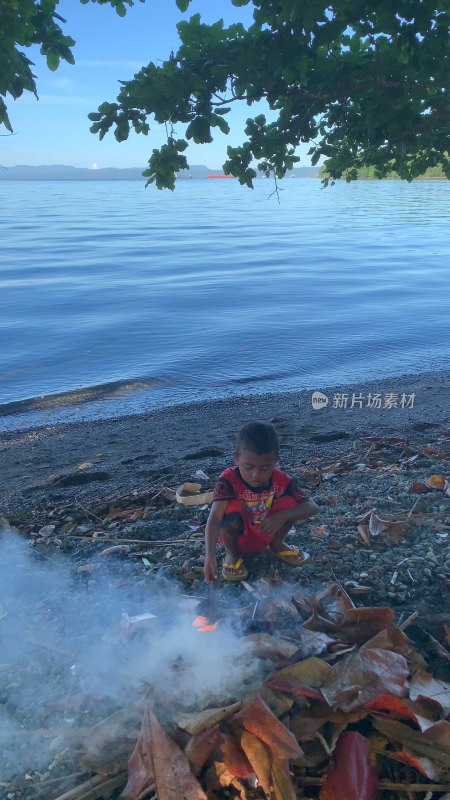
(131, 451)
(126, 461)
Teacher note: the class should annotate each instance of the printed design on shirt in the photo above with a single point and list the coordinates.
(258, 508)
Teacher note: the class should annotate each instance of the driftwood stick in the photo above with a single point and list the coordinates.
(95, 787)
(90, 513)
(115, 540)
(408, 622)
(413, 507)
(384, 785)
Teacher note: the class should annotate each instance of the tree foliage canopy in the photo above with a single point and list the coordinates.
(27, 22)
(364, 83)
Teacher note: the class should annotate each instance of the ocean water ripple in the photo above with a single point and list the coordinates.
(215, 289)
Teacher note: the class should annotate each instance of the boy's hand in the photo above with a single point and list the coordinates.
(271, 525)
(210, 569)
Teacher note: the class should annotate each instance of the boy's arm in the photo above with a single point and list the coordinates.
(272, 524)
(211, 535)
(304, 510)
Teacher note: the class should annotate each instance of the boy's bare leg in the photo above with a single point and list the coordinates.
(230, 531)
(277, 544)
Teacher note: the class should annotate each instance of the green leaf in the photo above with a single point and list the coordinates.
(183, 4)
(52, 61)
(4, 119)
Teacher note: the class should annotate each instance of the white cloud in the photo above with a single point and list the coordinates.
(94, 165)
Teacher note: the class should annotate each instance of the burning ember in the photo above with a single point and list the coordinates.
(201, 623)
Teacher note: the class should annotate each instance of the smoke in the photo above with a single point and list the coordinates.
(66, 642)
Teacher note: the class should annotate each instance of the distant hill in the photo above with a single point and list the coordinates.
(368, 174)
(62, 172)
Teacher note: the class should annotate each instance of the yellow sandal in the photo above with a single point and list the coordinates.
(293, 557)
(240, 571)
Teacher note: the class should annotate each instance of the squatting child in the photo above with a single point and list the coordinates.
(254, 506)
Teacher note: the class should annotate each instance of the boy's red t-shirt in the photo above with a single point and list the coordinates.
(257, 503)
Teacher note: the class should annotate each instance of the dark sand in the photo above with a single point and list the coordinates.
(134, 452)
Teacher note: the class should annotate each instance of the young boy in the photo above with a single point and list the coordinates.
(254, 506)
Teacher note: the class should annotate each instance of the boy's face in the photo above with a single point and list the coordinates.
(255, 469)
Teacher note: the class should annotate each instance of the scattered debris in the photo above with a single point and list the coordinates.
(189, 495)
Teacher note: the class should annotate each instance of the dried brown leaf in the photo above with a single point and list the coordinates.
(259, 757)
(436, 482)
(310, 672)
(257, 718)
(199, 720)
(281, 780)
(200, 746)
(141, 772)
(234, 758)
(278, 650)
(314, 642)
(277, 702)
(158, 763)
(424, 686)
(358, 625)
(360, 677)
(434, 743)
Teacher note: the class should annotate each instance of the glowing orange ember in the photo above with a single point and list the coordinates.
(201, 623)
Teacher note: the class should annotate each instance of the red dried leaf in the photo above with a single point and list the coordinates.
(421, 763)
(234, 758)
(352, 776)
(258, 719)
(158, 763)
(420, 488)
(389, 705)
(294, 688)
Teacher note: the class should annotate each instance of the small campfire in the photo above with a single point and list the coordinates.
(346, 706)
(201, 623)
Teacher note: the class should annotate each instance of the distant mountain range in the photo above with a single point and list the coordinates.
(62, 172)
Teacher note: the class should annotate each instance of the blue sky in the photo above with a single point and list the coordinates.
(55, 129)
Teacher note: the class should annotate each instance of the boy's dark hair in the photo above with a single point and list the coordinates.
(259, 438)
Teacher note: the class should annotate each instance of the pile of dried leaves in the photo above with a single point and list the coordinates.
(351, 711)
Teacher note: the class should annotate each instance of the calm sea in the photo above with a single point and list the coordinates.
(128, 298)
